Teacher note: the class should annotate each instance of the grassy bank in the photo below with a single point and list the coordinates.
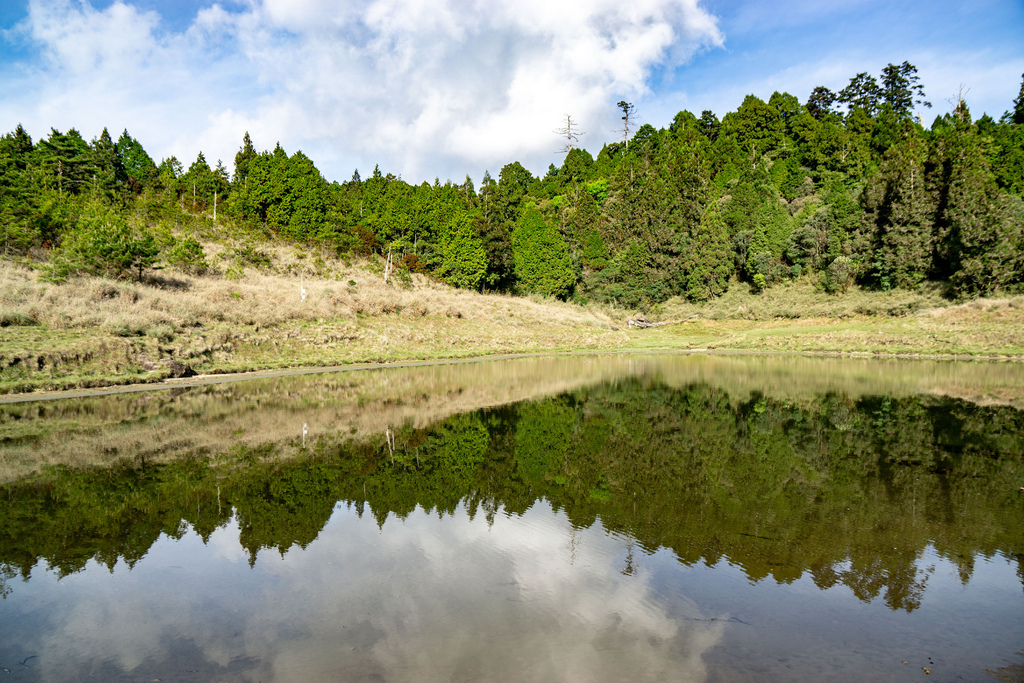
(94, 332)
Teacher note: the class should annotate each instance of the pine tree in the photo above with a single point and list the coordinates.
(137, 166)
(107, 171)
(980, 237)
(709, 262)
(541, 258)
(903, 214)
(463, 258)
(244, 159)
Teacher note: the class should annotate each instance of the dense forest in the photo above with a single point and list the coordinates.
(847, 187)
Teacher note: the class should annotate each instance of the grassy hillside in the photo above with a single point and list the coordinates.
(245, 313)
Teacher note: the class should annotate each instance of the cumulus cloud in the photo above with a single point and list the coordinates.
(525, 598)
(420, 87)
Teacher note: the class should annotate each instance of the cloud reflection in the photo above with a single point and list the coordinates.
(424, 598)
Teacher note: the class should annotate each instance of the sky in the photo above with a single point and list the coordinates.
(448, 88)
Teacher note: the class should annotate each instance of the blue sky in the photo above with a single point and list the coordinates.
(446, 88)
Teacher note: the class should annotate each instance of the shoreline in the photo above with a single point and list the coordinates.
(171, 383)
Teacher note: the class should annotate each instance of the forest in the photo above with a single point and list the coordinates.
(846, 187)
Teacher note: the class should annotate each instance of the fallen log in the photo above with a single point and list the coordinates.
(642, 322)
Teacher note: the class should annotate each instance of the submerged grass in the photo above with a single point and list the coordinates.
(238, 316)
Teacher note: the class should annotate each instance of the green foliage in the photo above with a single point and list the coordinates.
(677, 468)
(541, 258)
(756, 126)
(709, 261)
(104, 243)
(838, 276)
(901, 89)
(463, 258)
(138, 168)
(905, 217)
(595, 254)
(188, 255)
(902, 204)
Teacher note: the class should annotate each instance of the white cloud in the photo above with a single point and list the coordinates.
(529, 598)
(423, 88)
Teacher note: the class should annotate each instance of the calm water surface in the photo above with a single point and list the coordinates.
(600, 518)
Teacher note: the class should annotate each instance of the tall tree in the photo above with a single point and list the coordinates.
(107, 171)
(628, 120)
(463, 257)
(67, 159)
(244, 159)
(980, 234)
(571, 132)
(821, 102)
(902, 213)
(541, 257)
(139, 168)
(1018, 106)
(757, 127)
(861, 93)
(901, 89)
(708, 264)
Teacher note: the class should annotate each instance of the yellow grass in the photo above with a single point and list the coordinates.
(238, 317)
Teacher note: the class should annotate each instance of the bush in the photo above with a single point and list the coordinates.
(16, 319)
(188, 255)
(104, 243)
(838, 275)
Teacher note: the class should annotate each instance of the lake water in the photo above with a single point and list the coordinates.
(584, 518)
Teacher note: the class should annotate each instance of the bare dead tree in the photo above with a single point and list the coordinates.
(571, 132)
(628, 120)
(959, 104)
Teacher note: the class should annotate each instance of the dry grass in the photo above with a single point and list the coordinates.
(259, 298)
(246, 314)
(794, 300)
(91, 331)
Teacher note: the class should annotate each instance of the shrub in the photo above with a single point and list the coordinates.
(838, 275)
(188, 255)
(104, 243)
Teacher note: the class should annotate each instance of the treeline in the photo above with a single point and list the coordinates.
(845, 187)
(849, 492)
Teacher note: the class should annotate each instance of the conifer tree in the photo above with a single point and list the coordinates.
(709, 261)
(541, 258)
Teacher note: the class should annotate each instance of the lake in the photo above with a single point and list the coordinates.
(576, 518)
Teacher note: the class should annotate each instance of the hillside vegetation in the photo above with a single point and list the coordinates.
(832, 225)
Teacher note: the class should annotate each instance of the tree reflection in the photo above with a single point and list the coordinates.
(849, 492)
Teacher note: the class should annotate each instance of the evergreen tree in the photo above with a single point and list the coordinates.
(981, 246)
(244, 159)
(820, 103)
(137, 166)
(901, 89)
(861, 93)
(107, 171)
(199, 184)
(104, 243)
(463, 258)
(67, 159)
(541, 258)
(1018, 106)
(709, 261)
(756, 126)
(903, 213)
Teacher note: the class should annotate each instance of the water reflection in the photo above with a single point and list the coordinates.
(431, 599)
(646, 519)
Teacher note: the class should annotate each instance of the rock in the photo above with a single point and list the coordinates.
(179, 369)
